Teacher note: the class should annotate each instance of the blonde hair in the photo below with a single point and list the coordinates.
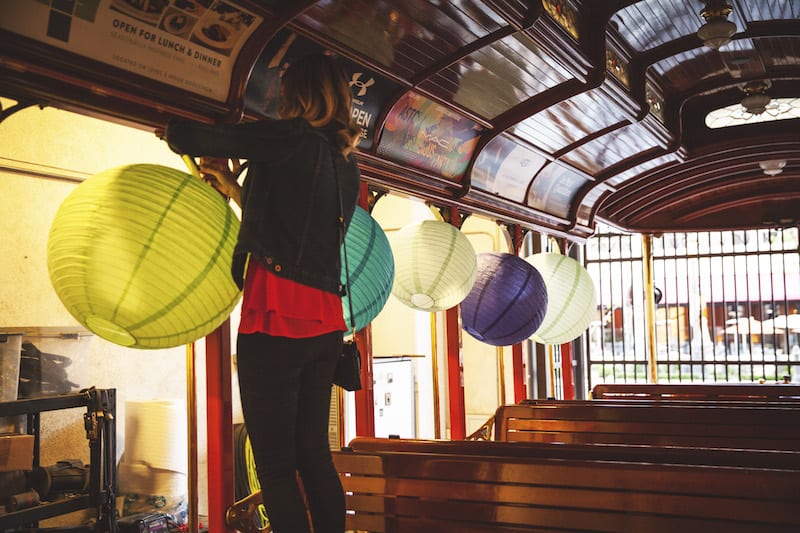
(316, 89)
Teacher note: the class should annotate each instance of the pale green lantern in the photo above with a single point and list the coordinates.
(571, 298)
(141, 256)
(435, 265)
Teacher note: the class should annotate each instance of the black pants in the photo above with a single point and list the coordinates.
(285, 387)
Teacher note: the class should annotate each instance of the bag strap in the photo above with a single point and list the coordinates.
(342, 232)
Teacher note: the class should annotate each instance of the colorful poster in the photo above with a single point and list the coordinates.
(262, 96)
(423, 134)
(189, 44)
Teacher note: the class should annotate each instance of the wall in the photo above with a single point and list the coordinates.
(44, 153)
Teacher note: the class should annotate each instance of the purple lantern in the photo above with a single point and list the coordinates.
(508, 301)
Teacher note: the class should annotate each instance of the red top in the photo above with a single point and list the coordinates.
(283, 307)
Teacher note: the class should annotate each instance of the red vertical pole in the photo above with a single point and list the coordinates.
(219, 424)
(566, 355)
(520, 392)
(566, 371)
(455, 376)
(455, 364)
(518, 365)
(365, 398)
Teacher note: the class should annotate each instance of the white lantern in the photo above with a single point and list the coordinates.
(435, 265)
(571, 298)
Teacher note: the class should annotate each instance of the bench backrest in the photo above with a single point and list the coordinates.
(657, 424)
(394, 491)
(780, 459)
(698, 391)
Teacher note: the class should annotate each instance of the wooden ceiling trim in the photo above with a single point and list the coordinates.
(605, 179)
(762, 201)
(617, 151)
(521, 16)
(588, 138)
(556, 128)
(460, 54)
(752, 211)
(675, 179)
(619, 179)
(678, 197)
(555, 40)
(708, 178)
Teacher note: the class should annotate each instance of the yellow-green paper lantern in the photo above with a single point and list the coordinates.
(435, 265)
(141, 254)
(571, 298)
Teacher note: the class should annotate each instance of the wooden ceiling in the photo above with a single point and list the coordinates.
(550, 115)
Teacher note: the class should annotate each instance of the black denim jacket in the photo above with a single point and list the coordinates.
(290, 206)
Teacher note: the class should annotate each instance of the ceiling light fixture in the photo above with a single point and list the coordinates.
(772, 167)
(718, 30)
(757, 98)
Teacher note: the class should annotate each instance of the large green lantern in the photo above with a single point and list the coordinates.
(141, 254)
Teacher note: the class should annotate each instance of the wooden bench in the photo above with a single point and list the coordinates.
(701, 424)
(698, 391)
(436, 486)
(780, 459)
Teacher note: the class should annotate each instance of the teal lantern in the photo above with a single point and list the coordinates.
(141, 254)
(371, 268)
(436, 265)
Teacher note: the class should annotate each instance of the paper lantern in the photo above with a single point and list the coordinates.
(141, 256)
(371, 267)
(571, 299)
(508, 301)
(435, 266)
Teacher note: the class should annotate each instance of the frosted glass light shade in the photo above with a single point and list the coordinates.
(371, 267)
(508, 301)
(571, 298)
(435, 265)
(141, 256)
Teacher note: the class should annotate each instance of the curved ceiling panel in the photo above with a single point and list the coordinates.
(569, 121)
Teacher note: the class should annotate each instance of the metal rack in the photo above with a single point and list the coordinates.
(100, 425)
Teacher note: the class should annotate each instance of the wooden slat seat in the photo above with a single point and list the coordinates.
(656, 424)
(449, 491)
(698, 391)
(780, 459)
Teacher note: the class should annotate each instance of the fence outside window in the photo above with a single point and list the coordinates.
(727, 307)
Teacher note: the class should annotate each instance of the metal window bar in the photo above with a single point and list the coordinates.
(712, 284)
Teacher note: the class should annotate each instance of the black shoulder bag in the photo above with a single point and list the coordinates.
(348, 366)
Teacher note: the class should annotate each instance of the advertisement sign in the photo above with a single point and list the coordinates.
(424, 134)
(189, 44)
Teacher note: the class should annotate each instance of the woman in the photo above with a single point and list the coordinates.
(287, 262)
